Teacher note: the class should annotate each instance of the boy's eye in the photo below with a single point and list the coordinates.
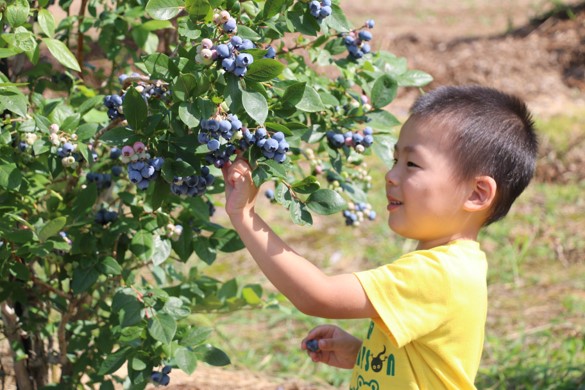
(411, 164)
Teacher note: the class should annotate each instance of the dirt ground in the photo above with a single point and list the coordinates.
(489, 42)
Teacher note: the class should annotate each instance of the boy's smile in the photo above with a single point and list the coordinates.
(425, 198)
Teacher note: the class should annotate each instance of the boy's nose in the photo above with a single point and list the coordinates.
(391, 177)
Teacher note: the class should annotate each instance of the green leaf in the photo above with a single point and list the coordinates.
(251, 295)
(183, 87)
(10, 176)
(325, 202)
(228, 290)
(162, 250)
(299, 213)
(414, 78)
(247, 33)
(383, 91)
(383, 147)
(195, 336)
(186, 359)
(51, 228)
(83, 279)
(272, 8)
(126, 305)
(213, 356)
(337, 20)
(189, 114)
(109, 266)
(62, 53)
(154, 25)
(198, 9)
(17, 13)
(142, 245)
(162, 327)
(84, 201)
(114, 361)
(164, 9)
(47, 23)
(382, 119)
(13, 100)
(263, 70)
(135, 109)
(303, 97)
(308, 185)
(255, 105)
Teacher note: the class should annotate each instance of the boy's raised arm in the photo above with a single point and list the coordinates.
(305, 285)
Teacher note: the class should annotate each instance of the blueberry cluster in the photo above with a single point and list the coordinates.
(68, 158)
(142, 169)
(27, 141)
(174, 231)
(216, 134)
(147, 88)
(273, 147)
(356, 42)
(359, 140)
(231, 56)
(194, 185)
(103, 216)
(161, 378)
(225, 20)
(357, 213)
(102, 180)
(320, 9)
(114, 105)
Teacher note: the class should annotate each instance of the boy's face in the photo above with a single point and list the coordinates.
(425, 198)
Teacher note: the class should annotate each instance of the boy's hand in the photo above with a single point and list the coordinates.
(337, 348)
(240, 191)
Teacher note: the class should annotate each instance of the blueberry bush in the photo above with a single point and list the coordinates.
(116, 120)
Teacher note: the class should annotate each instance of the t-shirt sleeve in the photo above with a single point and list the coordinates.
(410, 296)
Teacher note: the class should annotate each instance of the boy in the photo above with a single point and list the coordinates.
(462, 158)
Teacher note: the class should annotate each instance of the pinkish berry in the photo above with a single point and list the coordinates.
(206, 43)
(127, 151)
(139, 147)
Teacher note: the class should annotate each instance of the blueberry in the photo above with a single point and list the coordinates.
(230, 25)
(313, 345)
(236, 41)
(246, 45)
(269, 194)
(228, 64)
(240, 71)
(370, 23)
(365, 35)
(166, 369)
(223, 51)
(115, 153)
(270, 53)
(244, 59)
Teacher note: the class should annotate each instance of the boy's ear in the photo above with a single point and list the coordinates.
(482, 195)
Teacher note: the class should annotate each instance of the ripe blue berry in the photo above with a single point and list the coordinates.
(313, 345)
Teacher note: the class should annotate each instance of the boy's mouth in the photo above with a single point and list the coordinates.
(393, 203)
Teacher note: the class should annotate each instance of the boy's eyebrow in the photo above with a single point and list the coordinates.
(406, 149)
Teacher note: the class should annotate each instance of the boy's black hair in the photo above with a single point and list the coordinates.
(490, 133)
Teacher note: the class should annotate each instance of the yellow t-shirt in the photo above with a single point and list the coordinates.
(432, 307)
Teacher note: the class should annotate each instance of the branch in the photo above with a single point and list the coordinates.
(80, 36)
(13, 334)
